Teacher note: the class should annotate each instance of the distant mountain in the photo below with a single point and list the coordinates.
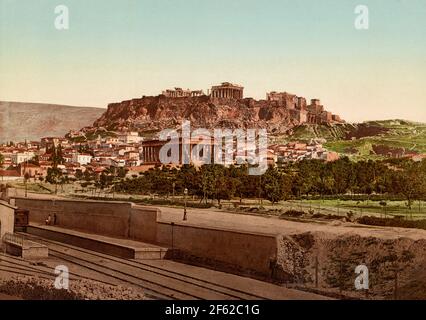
(366, 140)
(32, 121)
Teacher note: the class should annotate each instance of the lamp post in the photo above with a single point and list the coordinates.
(173, 185)
(26, 177)
(185, 193)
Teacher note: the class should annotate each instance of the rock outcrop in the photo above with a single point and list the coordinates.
(151, 114)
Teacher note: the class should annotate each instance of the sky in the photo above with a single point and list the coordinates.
(117, 50)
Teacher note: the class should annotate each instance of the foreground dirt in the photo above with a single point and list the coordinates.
(395, 267)
(34, 288)
(327, 252)
(273, 225)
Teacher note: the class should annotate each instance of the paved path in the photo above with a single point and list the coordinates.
(274, 225)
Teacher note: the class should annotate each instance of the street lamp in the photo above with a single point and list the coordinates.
(174, 185)
(185, 193)
(26, 177)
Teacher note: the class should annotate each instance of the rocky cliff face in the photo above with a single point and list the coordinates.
(160, 112)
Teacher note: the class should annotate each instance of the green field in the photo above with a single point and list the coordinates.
(357, 140)
(358, 208)
(34, 187)
(392, 208)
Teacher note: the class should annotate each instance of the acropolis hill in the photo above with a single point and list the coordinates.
(223, 106)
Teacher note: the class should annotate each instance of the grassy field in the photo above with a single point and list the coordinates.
(34, 187)
(341, 208)
(388, 133)
(360, 208)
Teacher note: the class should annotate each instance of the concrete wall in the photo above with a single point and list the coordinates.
(83, 242)
(228, 248)
(107, 218)
(11, 193)
(30, 250)
(7, 218)
(116, 219)
(234, 250)
(35, 251)
(143, 223)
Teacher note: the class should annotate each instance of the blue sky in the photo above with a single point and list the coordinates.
(123, 49)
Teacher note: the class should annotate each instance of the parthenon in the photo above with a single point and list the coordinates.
(180, 93)
(298, 107)
(227, 90)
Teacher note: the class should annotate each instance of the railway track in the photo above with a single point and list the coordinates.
(20, 266)
(158, 282)
(14, 266)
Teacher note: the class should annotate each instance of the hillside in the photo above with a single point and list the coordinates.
(31, 121)
(155, 113)
(371, 139)
(367, 140)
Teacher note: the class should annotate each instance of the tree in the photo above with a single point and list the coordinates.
(224, 186)
(342, 172)
(1, 162)
(54, 176)
(26, 178)
(63, 180)
(189, 178)
(308, 176)
(239, 176)
(79, 174)
(326, 182)
(103, 182)
(273, 185)
(409, 182)
(122, 172)
(57, 156)
(160, 180)
(35, 160)
(207, 182)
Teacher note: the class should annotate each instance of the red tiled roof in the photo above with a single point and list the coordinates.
(9, 173)
(30, 165)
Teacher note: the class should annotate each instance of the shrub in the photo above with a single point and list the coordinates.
(392, 222)
(318, 215)
(350, 214)
(292, 213)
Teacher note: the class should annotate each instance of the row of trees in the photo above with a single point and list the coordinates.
(310, 177)
(106, 180)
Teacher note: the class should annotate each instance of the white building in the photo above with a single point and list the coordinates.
(82, 158)
(21, 157)
(130, 137)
